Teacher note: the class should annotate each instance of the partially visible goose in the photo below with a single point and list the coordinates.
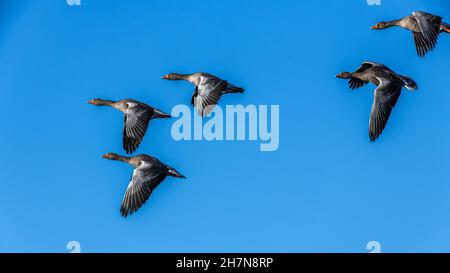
(137, 118)
(386, 94)
(208, 89)
(148, 173)
(424, 26)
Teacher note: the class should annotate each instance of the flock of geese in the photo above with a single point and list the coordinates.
(426, 29)
(149, 172)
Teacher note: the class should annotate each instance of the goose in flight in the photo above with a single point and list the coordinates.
(137, 118)
(208, 90)
(425, 27)
(148, 173)
(389, 86)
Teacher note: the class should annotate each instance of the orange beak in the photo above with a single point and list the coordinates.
(105, 156)
(90, 102)
(166, 77)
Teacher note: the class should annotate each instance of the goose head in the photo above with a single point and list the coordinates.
(175, 76)
(99, 102)
(380, 25)
(172, 77)
(344, 75)
(111, 156)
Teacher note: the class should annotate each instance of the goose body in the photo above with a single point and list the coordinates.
(389, 85)
(208, 90)
(148, 173)
(425, 27)
(137, 116)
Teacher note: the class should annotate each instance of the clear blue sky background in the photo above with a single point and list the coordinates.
(327, 188)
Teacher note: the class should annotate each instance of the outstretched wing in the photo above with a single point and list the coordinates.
(194, 96)
(385, 97)
(144, 180)
(209, 91)
(137, 118)
(429, 26)
(356, 83)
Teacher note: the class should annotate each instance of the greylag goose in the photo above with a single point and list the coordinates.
(148, 173)
(208, 90)
(425, 27)
(137, 118)
(389, 85)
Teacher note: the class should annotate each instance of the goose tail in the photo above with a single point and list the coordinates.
(160, 114)
(174, 173)
(409, 83)
(234, 89)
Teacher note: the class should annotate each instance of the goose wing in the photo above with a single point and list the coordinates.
(208, 93)
(366, 65)
(144, 180)
(429, 26)
(356, 83)
(385, 97)
(137, 118)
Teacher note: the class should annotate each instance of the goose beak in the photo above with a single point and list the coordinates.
(374, 27)
(90, 102)
(166, 77)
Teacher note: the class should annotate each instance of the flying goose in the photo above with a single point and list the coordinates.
(137, 118)
(148, 173)
(386, 94)
(208, 90)
(425, 27)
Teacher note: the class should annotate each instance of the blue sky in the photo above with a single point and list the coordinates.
(326, 189)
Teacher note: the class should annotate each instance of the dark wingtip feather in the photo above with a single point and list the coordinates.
(373, 136)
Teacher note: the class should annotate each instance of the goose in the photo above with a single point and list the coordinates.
(208, 89)
(425, 27)
(136, 120)
(148, 173)
(389, 86)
